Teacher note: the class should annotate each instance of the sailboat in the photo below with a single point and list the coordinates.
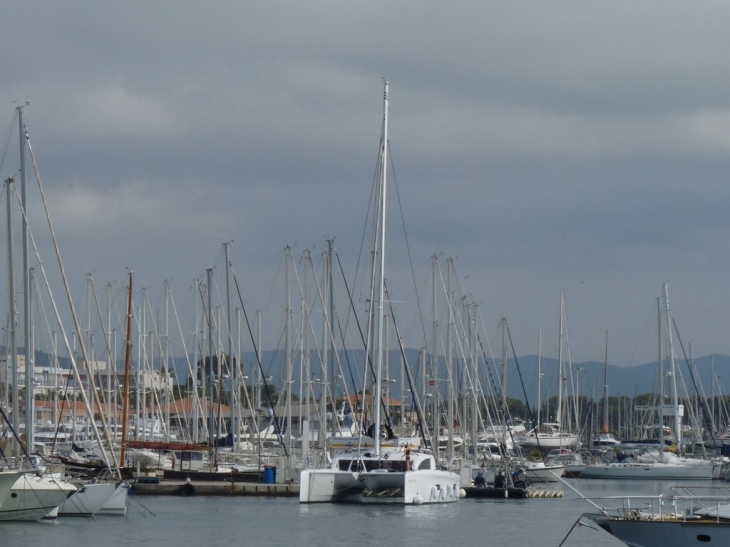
(605, 439)
(549, 436)
(33, 495)
(654, 465)
(401, 474)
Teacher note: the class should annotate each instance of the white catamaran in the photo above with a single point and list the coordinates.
(402, 474)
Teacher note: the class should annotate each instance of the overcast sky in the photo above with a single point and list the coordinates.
(582, 146)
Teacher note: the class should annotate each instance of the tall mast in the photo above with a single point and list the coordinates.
(322, 437)
(503, 323)
(229, 330)
(9, 187)
(559, 413)
(604, 426)
(289, 362)
(660, 408)
(539, 375)
(381, 276)
(165, 358)
(672, 372)
(434, 358)
(331, 330)
(29, 367)
(127, 370)
(209, 402)
(27, 346)
(450, 363)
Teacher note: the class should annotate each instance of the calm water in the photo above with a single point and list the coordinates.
(217, 522)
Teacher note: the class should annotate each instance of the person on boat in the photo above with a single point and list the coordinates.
(499, 480)
(517, 480)
(408, 459)
(479, 481)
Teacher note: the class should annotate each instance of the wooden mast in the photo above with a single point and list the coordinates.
(127, 371)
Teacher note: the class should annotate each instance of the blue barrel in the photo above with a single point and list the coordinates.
(268, 475)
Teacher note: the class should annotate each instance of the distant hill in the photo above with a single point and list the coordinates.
(628, 381)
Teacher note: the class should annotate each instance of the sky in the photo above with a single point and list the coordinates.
(543, 146)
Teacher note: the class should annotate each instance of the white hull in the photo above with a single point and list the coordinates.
(643, 533)
(7, 480)
(87, 500)
(409, 487)
(647, 471)
(34, 498)
(545, 473)
(416, 487)
(329, 485)
(116, 505)
(548, 442)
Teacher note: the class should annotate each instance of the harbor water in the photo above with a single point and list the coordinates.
(197, 521)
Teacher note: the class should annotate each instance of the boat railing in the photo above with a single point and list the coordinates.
(687, 507)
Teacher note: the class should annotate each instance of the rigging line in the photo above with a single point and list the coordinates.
(203, 365)
(277, 427)
(193, 374)
(15, 434)
(359, 330)
(347, 358)
(10, 134)
(74, 366)
(705, 410)
(524, 391)
(155, 336)
(104, 332)
(39, 303)
(329, 334)
(497, 391)
(335, 320)
(368, 357)
(408, 245)
(411, 382)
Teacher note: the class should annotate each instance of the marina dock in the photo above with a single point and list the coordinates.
(212, 488)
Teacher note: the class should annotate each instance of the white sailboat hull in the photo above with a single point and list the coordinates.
(550, 442)
(545, 473)
(87, 500)
(33, 498)
(647, 471)
(7, 480)
(116, 505)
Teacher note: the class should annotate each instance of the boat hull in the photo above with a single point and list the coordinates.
(33, 498)
(116, 505)
(7, 480)
(643, 533)
(545, 473)
(329, 485)
(422, 486)
(650, 471)
(548, 442)
(476, 492)
(87, 500)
